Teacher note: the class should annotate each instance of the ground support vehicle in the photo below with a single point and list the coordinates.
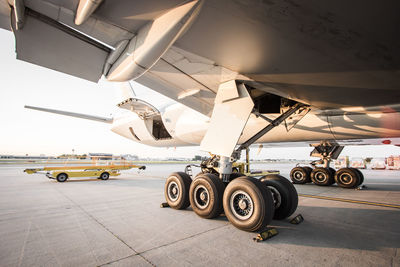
(61, 174)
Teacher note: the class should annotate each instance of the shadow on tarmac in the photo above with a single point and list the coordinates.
(332, 227)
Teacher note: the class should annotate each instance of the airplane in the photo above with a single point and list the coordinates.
(242, 72)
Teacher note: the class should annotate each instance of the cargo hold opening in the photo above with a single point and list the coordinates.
(158, 130)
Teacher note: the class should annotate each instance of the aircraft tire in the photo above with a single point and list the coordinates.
(205, 195)
(333, 171)
(176, 190)
(62, 177)
(248, 204)
(284, 195)
(104, 176)
(322, 176)
(347, 178)
(300, 175)
(361, 175)
(308, 170)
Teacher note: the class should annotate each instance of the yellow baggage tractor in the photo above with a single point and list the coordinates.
(61, 174)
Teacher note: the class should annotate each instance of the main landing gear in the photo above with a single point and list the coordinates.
(250, 204)
(325, 176)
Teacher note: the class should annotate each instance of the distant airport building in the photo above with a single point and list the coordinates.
(129, 157)
(72, 156)
(7, 156)
(24, 157)
(101, 156)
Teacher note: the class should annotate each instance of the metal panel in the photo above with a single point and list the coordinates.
(47, 46)
(227, 122)
(143, 109)
(172, 83)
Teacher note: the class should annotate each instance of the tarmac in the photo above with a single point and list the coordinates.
(119, 222)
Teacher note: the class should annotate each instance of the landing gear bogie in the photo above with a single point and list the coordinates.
(248, 203)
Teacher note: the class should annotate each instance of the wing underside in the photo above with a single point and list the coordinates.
(316, 53)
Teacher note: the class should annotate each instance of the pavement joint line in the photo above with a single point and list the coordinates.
(352, 201)
(120, 259)
(106, 228)
(185, 238)
(164, 245)
(47, 244)
(28, 232)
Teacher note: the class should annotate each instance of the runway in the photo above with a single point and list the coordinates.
(119, 222)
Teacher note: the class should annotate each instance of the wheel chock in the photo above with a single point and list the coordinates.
(297, 220)
(164, 205)
(361, 187)
(266, 235)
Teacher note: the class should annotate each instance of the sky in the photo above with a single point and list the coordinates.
(24, 131)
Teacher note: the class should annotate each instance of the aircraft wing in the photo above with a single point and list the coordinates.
(73, 114)
(325, 54)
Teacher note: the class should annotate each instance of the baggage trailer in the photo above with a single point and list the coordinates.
(61, 174)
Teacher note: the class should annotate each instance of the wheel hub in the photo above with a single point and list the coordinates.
(320, 176)
(201, 196)
(241, 205)
(173, 191)
(298, 175)
(345, 178)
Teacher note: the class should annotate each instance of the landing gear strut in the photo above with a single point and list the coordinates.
(325, 176)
